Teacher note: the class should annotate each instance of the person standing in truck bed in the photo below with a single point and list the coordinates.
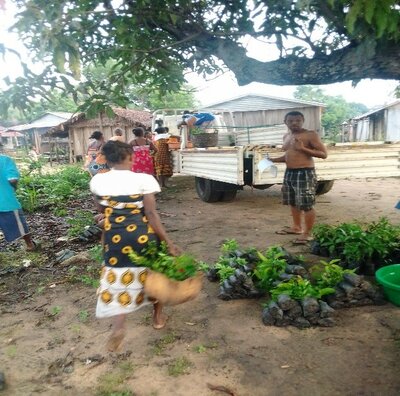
(300, 181)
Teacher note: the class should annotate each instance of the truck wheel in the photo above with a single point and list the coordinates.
(262, 186)
(324, 186)
(227, 196)
(205, 190)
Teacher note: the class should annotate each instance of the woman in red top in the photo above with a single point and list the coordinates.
(142, 162)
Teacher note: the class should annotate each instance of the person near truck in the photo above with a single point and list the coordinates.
(196, 120)
(300, 181)
(162, 159)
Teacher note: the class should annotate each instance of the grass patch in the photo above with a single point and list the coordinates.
(203, 348)
(11, 351)
(112, 383)
(179, 366)
(163, 342)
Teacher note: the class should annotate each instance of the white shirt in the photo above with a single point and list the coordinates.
(123, 182)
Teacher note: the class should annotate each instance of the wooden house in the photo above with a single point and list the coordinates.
(79, 128)
(37, 133)
(376, 125)
(253, 110)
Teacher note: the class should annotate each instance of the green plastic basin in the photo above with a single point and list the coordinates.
(389, 278)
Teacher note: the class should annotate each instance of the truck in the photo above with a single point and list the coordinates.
(221, 171)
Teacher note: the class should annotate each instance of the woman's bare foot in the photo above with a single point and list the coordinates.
(115, 340)
(159, 321)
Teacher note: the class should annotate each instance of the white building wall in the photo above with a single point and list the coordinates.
(393, 124)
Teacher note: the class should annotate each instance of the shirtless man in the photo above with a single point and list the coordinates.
(298, 189)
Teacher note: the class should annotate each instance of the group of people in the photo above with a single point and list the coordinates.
(126, 200)
(150, 155)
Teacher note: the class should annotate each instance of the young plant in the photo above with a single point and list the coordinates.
(271, 265)
(329, 275)
(298, 288)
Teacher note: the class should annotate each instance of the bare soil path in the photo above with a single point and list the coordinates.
(51, 343)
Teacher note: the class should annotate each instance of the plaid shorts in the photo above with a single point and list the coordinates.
(13, 225)
(298, 188)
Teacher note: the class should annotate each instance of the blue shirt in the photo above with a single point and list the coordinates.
(203, 117)
(8, 171)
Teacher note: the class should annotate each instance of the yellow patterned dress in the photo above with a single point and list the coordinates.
(126, 229)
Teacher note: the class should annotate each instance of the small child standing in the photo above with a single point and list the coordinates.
(131, 222)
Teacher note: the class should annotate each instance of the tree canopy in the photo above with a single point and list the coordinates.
(337, 109)
(157, 41)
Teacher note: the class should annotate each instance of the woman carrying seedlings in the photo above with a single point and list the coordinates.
(131, 222)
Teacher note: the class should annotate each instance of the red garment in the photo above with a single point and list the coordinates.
(142, 162)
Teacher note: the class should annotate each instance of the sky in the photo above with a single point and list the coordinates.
(372, 93)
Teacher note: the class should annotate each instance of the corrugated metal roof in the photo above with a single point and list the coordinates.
(10, 133)
(48, 120)
(254, 102)
(376, 110)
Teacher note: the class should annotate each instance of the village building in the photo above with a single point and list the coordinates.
(78, 128)
(262, 110)
(38, 134)
(381, 124)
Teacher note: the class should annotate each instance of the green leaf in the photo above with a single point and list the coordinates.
(59, 59)
(369, 10)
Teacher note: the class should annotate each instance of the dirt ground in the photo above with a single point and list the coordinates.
(51, 343)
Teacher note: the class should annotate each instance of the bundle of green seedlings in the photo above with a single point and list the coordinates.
(361, 247)
(248, 273)
(157, 258)
(305, 302)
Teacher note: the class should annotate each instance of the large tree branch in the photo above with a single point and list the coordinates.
(353, 62)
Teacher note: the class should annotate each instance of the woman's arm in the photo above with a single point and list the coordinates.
(150, 211)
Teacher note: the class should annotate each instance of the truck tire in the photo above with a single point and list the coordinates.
(206, 191)
(324, 186)
(227, 196)
(262, 186)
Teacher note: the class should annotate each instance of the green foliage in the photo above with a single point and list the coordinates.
(298, 288)
(78, 224)
(229, 246)
(96, 253)
(224, 269)
(272, 265)
(354, 243)
(53, 189)
(112, 382)
(330, 274)
(179, 366)
(158, 259)
(336, 112)
(232, 257)
(88, 275)
(154, 43)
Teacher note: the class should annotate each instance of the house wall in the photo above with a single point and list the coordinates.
(312, 117)
(393, 123)
(383, 125)
(79, 133)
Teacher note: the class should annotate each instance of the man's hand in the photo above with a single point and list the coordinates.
(298, 144)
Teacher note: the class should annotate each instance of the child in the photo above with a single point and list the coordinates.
(12, 220)
(131, 222)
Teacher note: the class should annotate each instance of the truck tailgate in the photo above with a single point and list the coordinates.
(223, 164)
